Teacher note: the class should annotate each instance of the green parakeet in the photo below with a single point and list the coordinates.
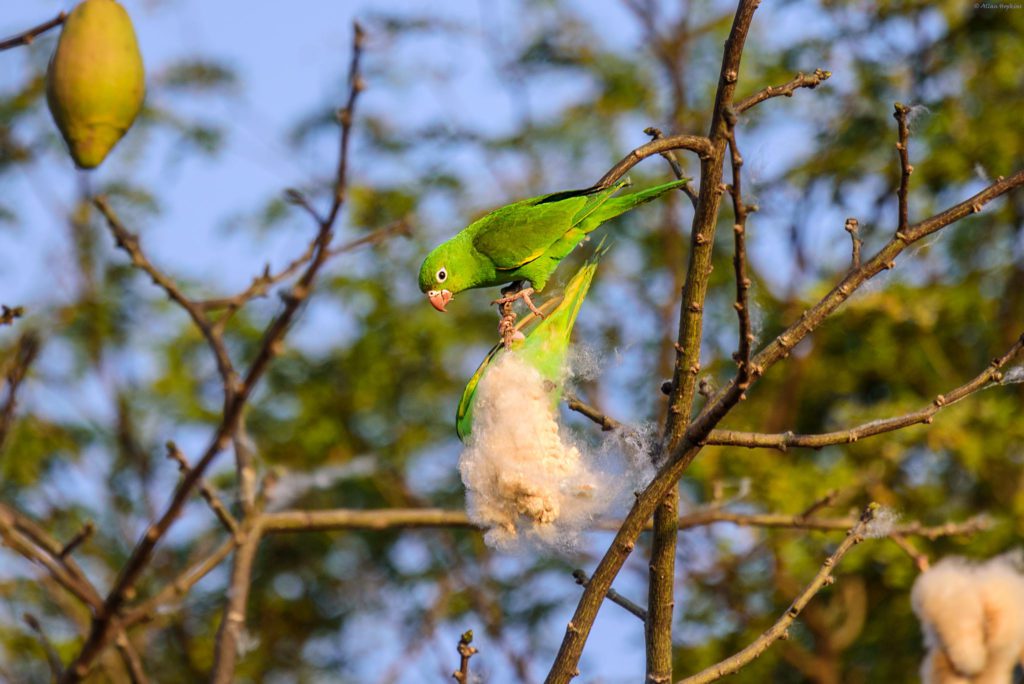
(544, 347)
(523, 241)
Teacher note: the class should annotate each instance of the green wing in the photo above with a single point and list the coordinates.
(519, 233)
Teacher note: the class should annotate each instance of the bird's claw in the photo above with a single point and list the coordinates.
(511, 296)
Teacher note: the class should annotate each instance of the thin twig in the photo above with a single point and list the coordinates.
(466, 651)
(699, 145)
(80, 538)
(920, 559)
(29, 36)
(853, 228)
(615, 597)
(779, 630)
(31, 541)
(24, 355)
(801, 80)
(232, 622)
(902, 148)
(129, 242)
(607, 424)
(677, 169)
(52, 657)
(180, 586)
(742, 305)
(431, 518)
(9, 313)
(210, 496)
(262, 283)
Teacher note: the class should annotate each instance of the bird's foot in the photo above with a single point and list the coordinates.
(511, 296)
(507, 327)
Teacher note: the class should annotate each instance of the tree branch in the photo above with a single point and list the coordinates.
(783, 441)
(270, 346)
(615, 597)
(902, 148)
(699, 145)
(29, 36)
(9, 313)
(210, 496)
(232, 623)
(24, 355)
(780, 629)
(677, 169)
(801, 80)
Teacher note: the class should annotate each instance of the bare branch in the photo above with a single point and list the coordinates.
(902, 148)
(232, 623)
(607, 424)
(780, 629)
(262, 283)
(103, 622)
(29, 36)
(699, 145)
(674, 164)
(24, 355)
(9, 313)
(684, 380)
(783, 441)
(801, 80)
(210, 496)
(615, 597)
(80, 538)
(740, 211)
(52, 657)
(180, 586)
(853, 228)
(129, 242)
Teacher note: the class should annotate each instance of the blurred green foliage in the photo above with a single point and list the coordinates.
(380, 389)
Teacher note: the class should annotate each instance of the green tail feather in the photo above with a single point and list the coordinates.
(610, 207)
(545, 346)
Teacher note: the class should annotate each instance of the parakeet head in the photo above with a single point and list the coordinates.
(443, 274)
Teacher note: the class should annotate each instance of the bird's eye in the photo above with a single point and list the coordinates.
(442, 275)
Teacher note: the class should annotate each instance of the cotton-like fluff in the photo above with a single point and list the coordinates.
(524, 480)
(972, 616)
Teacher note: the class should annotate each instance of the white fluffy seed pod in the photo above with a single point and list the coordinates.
(972, 616)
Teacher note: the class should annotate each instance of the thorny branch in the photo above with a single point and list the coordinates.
(779, 630)
(29, 36)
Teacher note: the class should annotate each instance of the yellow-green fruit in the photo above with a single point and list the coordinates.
(95, 82)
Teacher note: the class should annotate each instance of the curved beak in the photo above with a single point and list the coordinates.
(439, 299)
